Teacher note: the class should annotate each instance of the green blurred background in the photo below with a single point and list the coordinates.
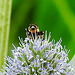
(55, 16)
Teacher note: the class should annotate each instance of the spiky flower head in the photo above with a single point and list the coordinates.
(38, 57)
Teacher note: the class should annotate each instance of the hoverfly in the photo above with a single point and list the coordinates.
(33, 31)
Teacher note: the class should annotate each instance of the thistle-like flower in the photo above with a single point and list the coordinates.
(38, 57)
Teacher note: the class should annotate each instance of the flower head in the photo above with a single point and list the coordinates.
(38, 57)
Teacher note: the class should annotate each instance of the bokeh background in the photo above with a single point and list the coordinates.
(55, 16)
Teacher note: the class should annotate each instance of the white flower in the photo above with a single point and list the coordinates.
(38, 57)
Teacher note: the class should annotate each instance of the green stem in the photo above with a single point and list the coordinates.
(5, 12)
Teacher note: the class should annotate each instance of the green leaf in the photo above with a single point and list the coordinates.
(5, 12)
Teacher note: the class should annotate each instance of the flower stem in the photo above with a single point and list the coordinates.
(5, 12)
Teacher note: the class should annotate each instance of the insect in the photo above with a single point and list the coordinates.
(33, 30)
